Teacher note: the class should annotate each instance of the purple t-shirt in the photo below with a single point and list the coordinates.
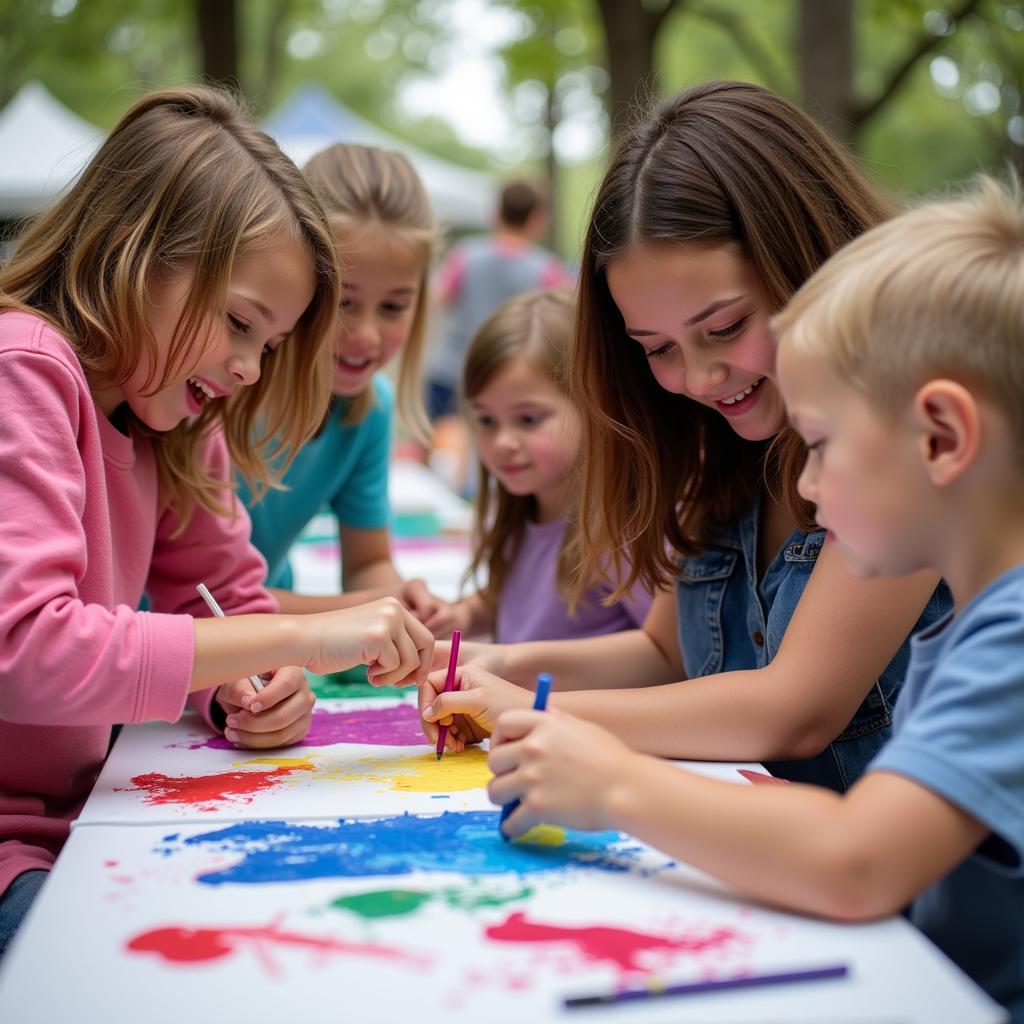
(531, 608)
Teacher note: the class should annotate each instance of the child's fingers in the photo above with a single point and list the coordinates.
(439, 658)
(283, 737)
(280, 686)
(515, 725)
(503, 789)
(520, 821)
(472, 703)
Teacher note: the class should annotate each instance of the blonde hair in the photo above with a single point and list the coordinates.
(535, 326)
(183, 182)
(360, 185)
(938, 291)
(720, 164)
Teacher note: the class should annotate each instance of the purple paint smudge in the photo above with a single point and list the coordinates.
(395, 726)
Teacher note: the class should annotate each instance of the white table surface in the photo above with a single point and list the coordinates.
(65, 967)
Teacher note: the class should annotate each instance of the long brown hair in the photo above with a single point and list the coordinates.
(721, 163)
(360, 185)
(183, 182)
(535, 326)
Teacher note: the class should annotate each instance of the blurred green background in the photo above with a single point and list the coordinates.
(927, 93)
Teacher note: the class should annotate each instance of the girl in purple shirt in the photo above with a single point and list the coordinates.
(528, 435)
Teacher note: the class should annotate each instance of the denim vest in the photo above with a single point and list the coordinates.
(728, 621)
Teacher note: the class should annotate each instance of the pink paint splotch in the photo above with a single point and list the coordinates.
(178, 944)
(395, 726)
(629, 951)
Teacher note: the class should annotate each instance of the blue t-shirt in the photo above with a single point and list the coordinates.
(959, 731)
(344, 467)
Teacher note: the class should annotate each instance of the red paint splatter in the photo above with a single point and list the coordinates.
(177, 944)
(618, 946)
(206, 792)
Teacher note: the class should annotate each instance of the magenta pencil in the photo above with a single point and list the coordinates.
(449, 684)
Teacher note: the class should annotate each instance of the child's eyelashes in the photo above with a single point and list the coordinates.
(733, 330)
(725, 333)
(524, 420)
(237, 325)
(390, 310)
(657, 353)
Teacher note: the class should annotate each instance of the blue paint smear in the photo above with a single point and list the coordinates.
(467, 843)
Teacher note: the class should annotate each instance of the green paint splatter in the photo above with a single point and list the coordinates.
(351, 684)
(384, 902)
(399, 902)
(474, 899)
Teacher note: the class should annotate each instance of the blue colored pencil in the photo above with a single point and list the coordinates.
(540, 703)
(711, 985)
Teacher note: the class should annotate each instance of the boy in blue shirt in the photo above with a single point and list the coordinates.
(902, 366)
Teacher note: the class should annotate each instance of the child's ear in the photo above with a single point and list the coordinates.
(948, 418)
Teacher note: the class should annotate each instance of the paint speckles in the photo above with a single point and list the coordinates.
(627, 950)
(466, 843)
(209, 792)
(186, 946)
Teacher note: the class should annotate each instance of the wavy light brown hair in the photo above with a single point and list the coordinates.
(536, 326)
(723, 163)
(361, 185)
(184, 182)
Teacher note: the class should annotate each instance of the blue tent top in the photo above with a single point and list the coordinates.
(312, 110)
(311, 119)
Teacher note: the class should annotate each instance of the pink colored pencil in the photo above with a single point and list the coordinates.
(449, 685)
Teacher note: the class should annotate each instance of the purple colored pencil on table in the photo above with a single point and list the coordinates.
(707, 986)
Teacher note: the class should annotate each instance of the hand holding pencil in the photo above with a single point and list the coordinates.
(568, 767)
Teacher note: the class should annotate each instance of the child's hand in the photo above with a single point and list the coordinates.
(438, 615)
(395, 647)
(489, 657)
(471, 709)
(279, 715)
(562, 770)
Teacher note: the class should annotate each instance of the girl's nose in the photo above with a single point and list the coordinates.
(704, 378)
(506, 439)
(245, 367)
(362, 328)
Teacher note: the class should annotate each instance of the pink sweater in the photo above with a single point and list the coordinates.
(81, 537)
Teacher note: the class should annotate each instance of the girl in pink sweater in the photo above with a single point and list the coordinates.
(178, 301)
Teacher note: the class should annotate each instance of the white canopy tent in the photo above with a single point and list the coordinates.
(312, 119)
(43, 145)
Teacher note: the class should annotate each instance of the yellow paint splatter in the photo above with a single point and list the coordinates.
(455, 773)
(298, 763)
(544, 835)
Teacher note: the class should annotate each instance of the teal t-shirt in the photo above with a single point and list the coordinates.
(345, 468)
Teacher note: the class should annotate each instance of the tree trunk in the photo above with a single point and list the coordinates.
(630, 30)
(552, 115)
(825, 45)
(217, 28)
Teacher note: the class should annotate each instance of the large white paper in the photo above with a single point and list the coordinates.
(430, 920)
